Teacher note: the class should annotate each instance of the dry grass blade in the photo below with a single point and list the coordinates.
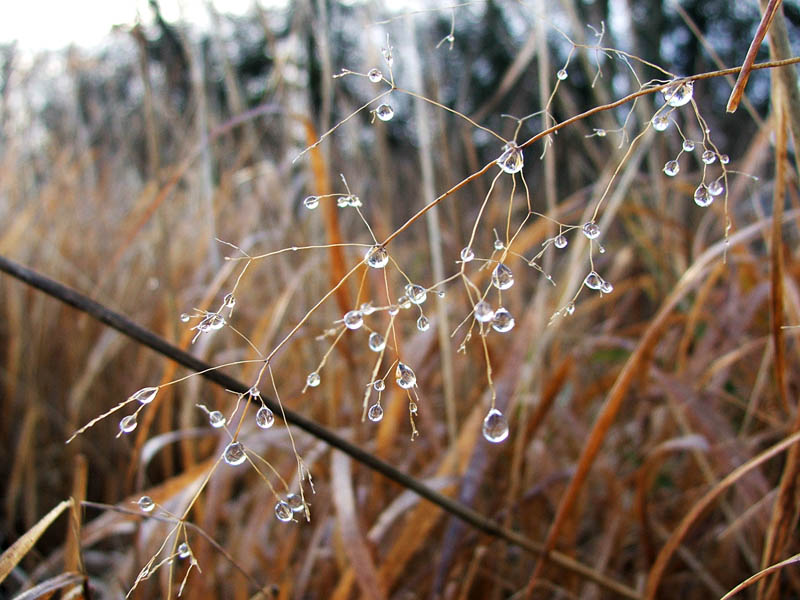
(11, 557)
(760, 575)
(47, 588)
(72, 554)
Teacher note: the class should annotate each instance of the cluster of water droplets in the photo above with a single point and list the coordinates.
(593, 281)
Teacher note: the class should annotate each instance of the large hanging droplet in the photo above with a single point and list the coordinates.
(311, 202)
(467, 255)
(671, 168)
(606, 287)
(145, 395)
(183, 550)
(423, 323)
(375, 76)
(384, 112)
(502, 277)
(562, 74)
(591, 230)
(295, 502)
(502, 321)
(353, 319)
(283, 512)
(216, 419)
(660, 122)
(416, 293)
(688, 146)
(234, 454)
(483, 311)
(560, 241)
(377, 257)
(185, 317)
(229, 301)
(379, 385)
(128, 424)
(702, 197)
(716, 187)
(593, 281)
(405, 376)
(495, 426)
(376, 342)
(265, 418)
(678, 94)
(146, 503)
(511, 160)
(313, 379)
(375, 413)
(708, 157)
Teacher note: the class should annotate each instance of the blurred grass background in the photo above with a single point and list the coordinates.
(119, 167)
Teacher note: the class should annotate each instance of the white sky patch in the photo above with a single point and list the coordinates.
(54, 24)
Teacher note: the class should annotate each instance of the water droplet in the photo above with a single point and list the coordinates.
(353, 319)
(716, 187)
(483, 311)
(375, 413)
(185, 317)
(560, 241)
(216, 419)
(229, 301)
(313, 379)
(416, 293)
(295, 502)
(352, 200)
(498, 245)
(146, 503)
(702, 197)
(376, 342)
(511, 160)
(708, 157)
(502, 277)
(495, 426)
(467, 255)
(128, 424)
(562, 74)
(145, 395)
(591, 230)
(311, 202)
(660, 122)
(265, 418)
(387, 55)
(375, 76)
(724, 159)
(679, 94)
(254, 392)
(439, 293)
(593, 281)
(606, 287)
(671, 168)
(283, 512)
(377, 257)
(601, 249)
(234, 454)
(406, 378)
(393, 310)
(379, 385)
(502, 321)
(412, 407)
(366, 308)
(600, 132)
(384, 112)
(183, 550)
(404, 302)
(423, 324)
(688, 146)
(342, 201)
(570, 308)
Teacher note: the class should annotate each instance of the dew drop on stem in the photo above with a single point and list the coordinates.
(495, 426)
(511, 160)
(384, 112)
(375, 413)
(405, 376)
(376, 342)
(234, 454)
(483, 311)
(295, 502)
(313, 379)
(502, 322)
(146, 503)
(353, 319)
(467, 255)
(128, 424)
(502, 277)
(377, 257)
(265, 418)
(283, 512)
(145, 395)
(375, 76)
(216, 419)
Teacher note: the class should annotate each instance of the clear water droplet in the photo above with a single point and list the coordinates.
(660, 122)
(342, 201)
(601, 249)
(606, 287)
(498, 245)
(311, 202)
(502, 277)
(404, 302)
(688, 146)
(387, 55)
(145, 395)
(254, 392)
(416, 293)
(313, 379)
(511, 160)
(295, 502)
(593, 281)
(412, 407)
(423, 324)
(702, 197)
(495, 426)
(467, 255)
(679, 94)
(502, 322)
(377, 257)
(234, 454)
(384, 112)
(265, 418)
(216, 419)
(146, 504)
(562, 74)
(393, 310)
(708, 157)
(353, 200)
(379, 385)
(183, 550)
(600, 132)
(591, 230)
(671, 168)
(376, 342)
(724, 159)
(128, 424)
(229, 301)
(366, 308)
(406, 378)
(483, 311)
(283, 512)
(716, 187)
(560, 241)
(375, 76)
(375, 413)
(185, 317)
(353, 319)
(570, 308)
